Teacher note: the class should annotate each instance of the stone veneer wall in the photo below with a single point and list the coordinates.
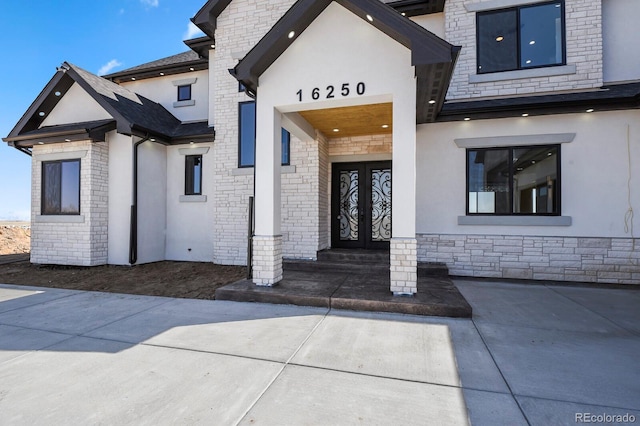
(583, 20)
(239, 27)
(595, 260)
(84, 242)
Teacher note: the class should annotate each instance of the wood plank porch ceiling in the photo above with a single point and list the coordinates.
(352, 121)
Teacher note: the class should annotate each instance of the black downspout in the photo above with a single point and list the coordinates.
(133, 233)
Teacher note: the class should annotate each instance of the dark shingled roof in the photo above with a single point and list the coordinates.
(181, 63)
(85, 126)
(180, 58)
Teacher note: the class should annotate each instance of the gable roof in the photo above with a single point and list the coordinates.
(432, 57)
(206, 18)
(133, 114)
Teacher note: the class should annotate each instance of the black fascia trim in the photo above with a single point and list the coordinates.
(184, 67)
(45, 102)
(206, 17)
(96, 131)
(612, 98)
(426, 48)
(201, 45)
(418, 7)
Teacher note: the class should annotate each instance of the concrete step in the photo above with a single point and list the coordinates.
(361, 267)
(354, 256)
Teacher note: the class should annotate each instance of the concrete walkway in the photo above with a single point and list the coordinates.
(532, 354)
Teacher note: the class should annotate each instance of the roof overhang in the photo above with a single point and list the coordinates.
(432, 57)
(608, 98)
(417, 7)
(201, 45)
(184, 67)
(206, 17)
(94, 131)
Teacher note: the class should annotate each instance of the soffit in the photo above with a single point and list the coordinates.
(352, 121)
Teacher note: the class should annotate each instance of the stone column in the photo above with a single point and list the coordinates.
(403, 247)
(267, 243)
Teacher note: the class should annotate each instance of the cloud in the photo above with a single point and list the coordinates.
(152, 3)
(109, 66)
(192, 31)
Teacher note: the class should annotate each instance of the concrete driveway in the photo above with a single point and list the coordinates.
(532, 355)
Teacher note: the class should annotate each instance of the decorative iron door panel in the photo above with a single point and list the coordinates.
(361, 205)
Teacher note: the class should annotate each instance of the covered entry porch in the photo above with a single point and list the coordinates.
(321, 60)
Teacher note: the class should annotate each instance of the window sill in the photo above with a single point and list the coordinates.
(193, 199)
(245, 171)
(515, 220)
(179, 104)
(518, 74)
(60, 219)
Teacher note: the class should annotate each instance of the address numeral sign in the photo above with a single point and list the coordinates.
(331, 91)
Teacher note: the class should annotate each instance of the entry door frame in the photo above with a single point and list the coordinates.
(365, 218)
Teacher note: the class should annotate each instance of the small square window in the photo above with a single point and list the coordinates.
(193, 175)
(184, 93)
(60, 187)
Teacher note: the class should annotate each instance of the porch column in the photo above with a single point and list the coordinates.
(267, 243)
(403, 246)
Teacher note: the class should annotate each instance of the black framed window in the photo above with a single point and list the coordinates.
(247, 137)
(193, 175)
(61, 187)
(184, 93)
(522, 37)
(514, 180)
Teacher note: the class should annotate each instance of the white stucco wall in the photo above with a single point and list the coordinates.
(433, 22)
(75, 106)
(120, 196)
(621, 40)
(152, 202)
(162, 90)
(350, 51)
(594, 173)
(190, 220)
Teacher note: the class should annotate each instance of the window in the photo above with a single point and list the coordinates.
(521, 37)
(184, 93)
(60, 187)
(193, 175)
(247, 137)
(514, 180)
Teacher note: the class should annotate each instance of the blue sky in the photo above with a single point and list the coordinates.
(100, 36)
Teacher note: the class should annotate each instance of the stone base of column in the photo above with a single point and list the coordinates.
(404, 266)
(267, 260)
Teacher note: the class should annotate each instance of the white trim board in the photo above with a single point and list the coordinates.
(515, 140)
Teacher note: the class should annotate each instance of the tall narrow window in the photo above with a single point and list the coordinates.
(193, 175)
(521, 37)
(184, 93)
(247, 137)
(60, 187)
(514, 180)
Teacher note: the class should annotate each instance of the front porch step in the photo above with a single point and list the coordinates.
(354, 256)
(359, 261)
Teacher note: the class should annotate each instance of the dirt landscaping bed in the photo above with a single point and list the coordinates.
(171, 279)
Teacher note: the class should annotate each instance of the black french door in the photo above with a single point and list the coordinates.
(361, 205)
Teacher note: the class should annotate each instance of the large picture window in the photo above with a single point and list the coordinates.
(60, 187)
(514, 180)
(247, 137)
(521, 37)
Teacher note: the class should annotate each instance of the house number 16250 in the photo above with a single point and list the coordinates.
(332, 91)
